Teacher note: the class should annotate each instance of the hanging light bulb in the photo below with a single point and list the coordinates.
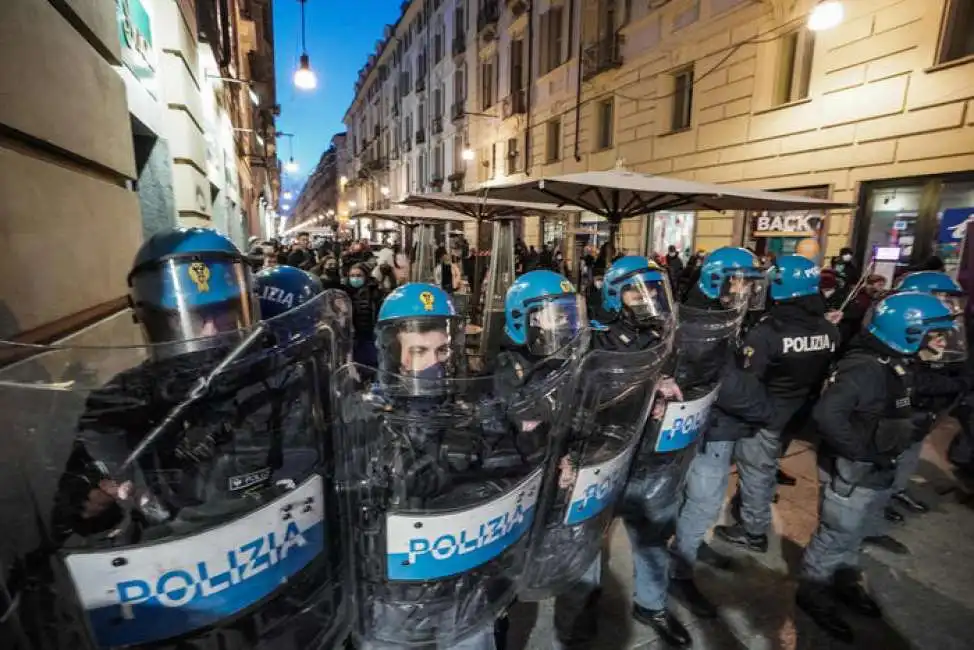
(290, 166)
(304, 77)
(827, 14)
(287, 195)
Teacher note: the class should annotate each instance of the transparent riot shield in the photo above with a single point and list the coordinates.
(611, 406)
(443, 489)
(182, 501)
(704, 340)
(499, 280)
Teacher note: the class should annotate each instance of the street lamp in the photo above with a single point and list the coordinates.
(304, 76)
(286, 195)
(286, 207)
(384, 191)
(290, 166)
(331, 213)
(352, 204)
(467, 154)
(826, 15)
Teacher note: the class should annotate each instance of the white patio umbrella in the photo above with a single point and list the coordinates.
(618, 195)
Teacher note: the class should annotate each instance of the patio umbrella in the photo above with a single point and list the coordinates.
(421, 221)
(501, 272)
(618, 195)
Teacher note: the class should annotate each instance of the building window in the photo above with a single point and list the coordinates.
(458, 162)
(551, 35)
(957, 40)
(512, 156)
(553, 140)
(517, 66)
(795, 54)
(606, 117)
(459, 92)
(486, 84)
(682, 100)
(438, 43)
(438, 162)
(493, 160)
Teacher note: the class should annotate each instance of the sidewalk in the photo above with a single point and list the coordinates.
(927, 597)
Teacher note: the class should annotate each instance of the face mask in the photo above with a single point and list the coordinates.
(828, 292)
(847, 258)
(356, 282)
(434, 373)
(598, 284)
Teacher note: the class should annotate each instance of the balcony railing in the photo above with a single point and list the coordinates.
(420, 84)
(458, 110)
(515, 104)
(420, 136)
(488, 15)
(605, 54)
(436, 126)
(459, 45)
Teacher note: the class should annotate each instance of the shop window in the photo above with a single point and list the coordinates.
(551, 37)
(682, 100)
(553, 140)
(957, 40)
(606, 119)
(795, 54)
(672, 229)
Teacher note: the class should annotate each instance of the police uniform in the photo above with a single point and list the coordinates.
(790, 351)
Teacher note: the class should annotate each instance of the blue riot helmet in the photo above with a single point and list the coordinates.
(636, 289)
(280, 289)
(948, 290)
(911, 321)
(793, 276)
(543, 313)
(732, 276)
(419, 341)
(189, 284)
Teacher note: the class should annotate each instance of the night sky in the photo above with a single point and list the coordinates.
(341, 34)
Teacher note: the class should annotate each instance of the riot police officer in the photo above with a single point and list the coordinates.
(864, 417)
(444, 473)
(715, 309)
(941, 378)
(789, 351)
(212, 428)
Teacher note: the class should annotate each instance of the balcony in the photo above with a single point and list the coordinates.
(420, 84)
(458, 110)
(456, 181)
(515, 104)
(488, 16)
(407, 146)
(420, 136)
(378, 164)
(436, 125)
(605, 54)
(459, 45)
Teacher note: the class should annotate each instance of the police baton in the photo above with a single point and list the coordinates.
(198, 392)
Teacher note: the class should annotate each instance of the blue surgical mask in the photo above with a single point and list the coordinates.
(356, 282)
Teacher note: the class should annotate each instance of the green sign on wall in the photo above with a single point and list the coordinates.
(135, 35)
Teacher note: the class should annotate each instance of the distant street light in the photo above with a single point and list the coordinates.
(304, 76)
(827, 14)
(352, 204)
(467, 154)
(285, 207)
(286, 195)
(331, 213)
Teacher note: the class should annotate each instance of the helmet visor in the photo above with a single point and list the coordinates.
(740, 288)
(758, 299)
(945, 345)
(419, 356)
(554, 322)
(182, 299)
(647, 296)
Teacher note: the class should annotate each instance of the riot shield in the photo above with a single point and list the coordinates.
(182, 501)
(704, 340)
(611, 406)
(443, 490)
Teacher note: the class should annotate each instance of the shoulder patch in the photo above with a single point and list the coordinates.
(748, 352)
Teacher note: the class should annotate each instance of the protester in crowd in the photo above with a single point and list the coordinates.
(447, 274)
(301, 256)
(674, 266)
(366, 300)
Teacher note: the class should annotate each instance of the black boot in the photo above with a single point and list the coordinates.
(893, 515)
(685, 590)
(737, 536)
(913, 505)
(670, 630)
(814, 600)
(712, 558)
(785, 479)
(888, 544)
(848, 589)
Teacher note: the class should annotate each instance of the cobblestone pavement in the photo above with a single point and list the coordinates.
(927, 596)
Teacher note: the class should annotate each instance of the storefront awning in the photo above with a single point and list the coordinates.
(619, 195)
